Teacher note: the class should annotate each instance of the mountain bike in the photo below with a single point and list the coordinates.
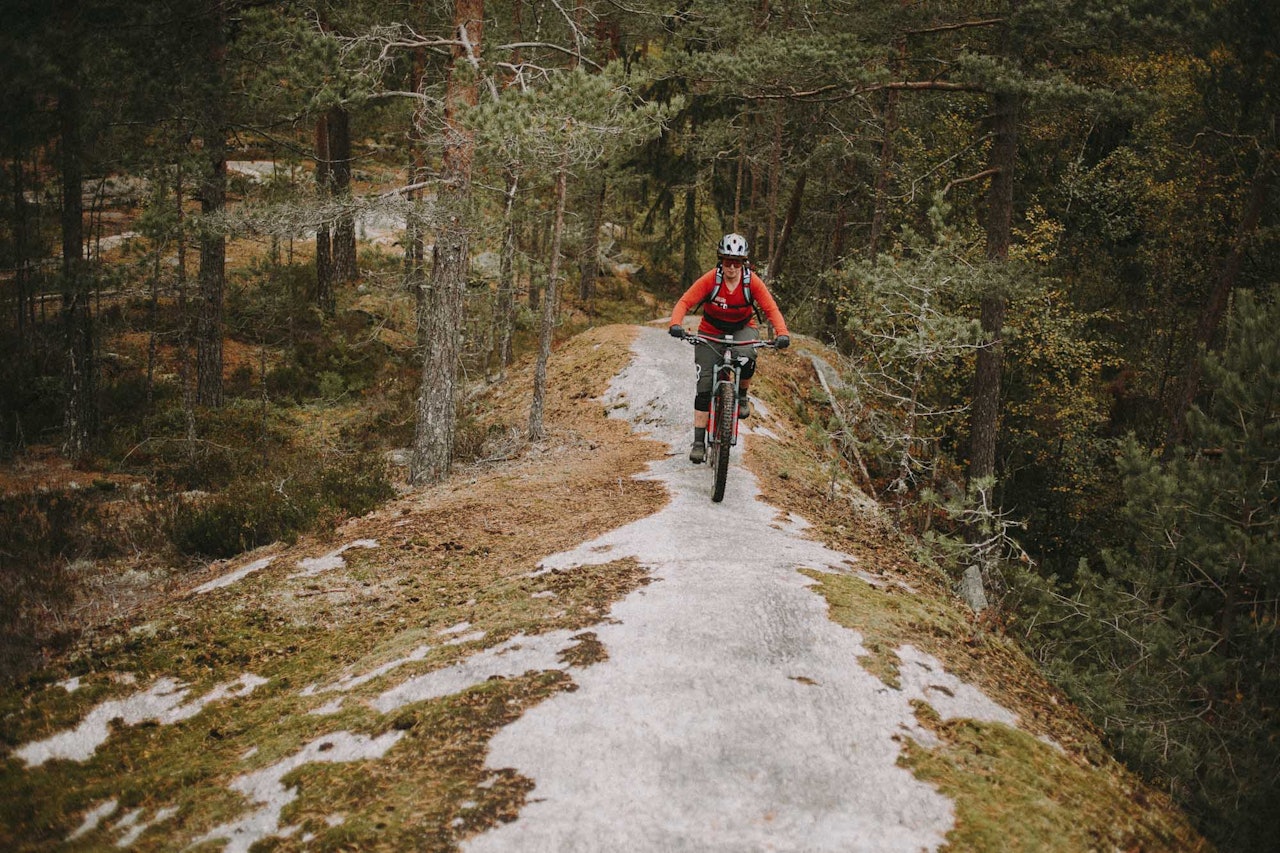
(722, 423)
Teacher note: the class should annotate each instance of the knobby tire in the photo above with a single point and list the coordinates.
(722, 442)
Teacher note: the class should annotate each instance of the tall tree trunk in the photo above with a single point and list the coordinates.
(213, 242)
(690, 269)
(888, 152)
(550, 303)
(534, 296)
(441, 313)
(589, 266)
(793, 213)
(415, 278)
(985, 422)
(324, 236)
(344, 232)
(24, 313)
(737, 183)
(184, 311)
(506, 273)
(1215, 307)
(80, 412)
(775, 182)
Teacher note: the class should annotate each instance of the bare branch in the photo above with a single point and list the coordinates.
(985, 173)
(961, 25)
(518, 45)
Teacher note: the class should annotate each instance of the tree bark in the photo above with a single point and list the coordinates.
(985, 423)
(80, 410)
(324, 237)
(775, 181)
(344, 233)
(1216, 306)
(415, 280)
(589, 266)
(25, 307)
(793, 213)
(690, 268)
(537, 430)
(506, 274)
(213, 242)
(888, 153)
(441, 312)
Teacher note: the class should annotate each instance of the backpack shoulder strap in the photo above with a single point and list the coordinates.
(714, 292)
(746, 291)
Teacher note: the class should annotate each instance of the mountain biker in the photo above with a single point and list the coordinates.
(730, 293)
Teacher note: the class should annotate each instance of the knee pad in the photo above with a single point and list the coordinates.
(749, 369)
(702, 402)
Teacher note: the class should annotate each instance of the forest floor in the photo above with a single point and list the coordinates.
(572, 649)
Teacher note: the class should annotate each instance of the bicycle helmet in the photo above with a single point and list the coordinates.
(732, 246)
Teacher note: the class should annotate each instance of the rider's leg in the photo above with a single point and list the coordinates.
(698, 452)
(704, 359)
(748, 370)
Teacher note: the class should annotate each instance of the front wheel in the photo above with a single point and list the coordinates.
(722, 440)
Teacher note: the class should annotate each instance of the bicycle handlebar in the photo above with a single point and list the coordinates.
(699, 339)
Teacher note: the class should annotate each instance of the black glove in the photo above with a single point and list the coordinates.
(676, 331)
(782, 341)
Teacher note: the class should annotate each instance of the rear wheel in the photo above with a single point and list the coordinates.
(722, 441)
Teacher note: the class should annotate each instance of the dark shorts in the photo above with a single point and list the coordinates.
(706, 358)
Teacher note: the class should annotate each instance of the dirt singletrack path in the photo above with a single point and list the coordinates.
(731, 713)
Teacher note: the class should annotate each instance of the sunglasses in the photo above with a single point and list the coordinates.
(731, 262)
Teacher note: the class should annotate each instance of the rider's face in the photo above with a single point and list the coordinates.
(732, 269)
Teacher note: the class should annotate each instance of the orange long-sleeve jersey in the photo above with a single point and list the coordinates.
(729, 310)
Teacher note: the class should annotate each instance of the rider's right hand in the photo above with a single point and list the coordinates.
(676, 331)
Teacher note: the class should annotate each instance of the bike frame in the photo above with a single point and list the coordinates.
(722, 436)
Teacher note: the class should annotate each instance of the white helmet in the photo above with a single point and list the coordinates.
(732, 246)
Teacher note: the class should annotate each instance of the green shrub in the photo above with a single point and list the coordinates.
(39, 528)
(289, 382)
(231, 443)
(251, 513)
(330, 385)
(243, 517)
(356, 484)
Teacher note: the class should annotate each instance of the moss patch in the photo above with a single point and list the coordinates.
(1013, 792)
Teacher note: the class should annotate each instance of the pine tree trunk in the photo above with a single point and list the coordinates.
(775, 181)
(324, 238)
(985, 417)
(415, 279)
(737, 182)
(25, 307)
(887, 153)
(213, 243)
(441, 314)
(79, 413)
(537, 430)
(690, 270)
(589, 267)
(344, 233)
(793, 213)
(506, 274)
(534, 297)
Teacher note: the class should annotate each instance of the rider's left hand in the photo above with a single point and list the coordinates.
(782, 341)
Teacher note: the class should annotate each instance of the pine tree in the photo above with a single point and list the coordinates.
(1172, 641)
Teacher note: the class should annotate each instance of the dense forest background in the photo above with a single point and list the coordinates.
(1041, 233)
